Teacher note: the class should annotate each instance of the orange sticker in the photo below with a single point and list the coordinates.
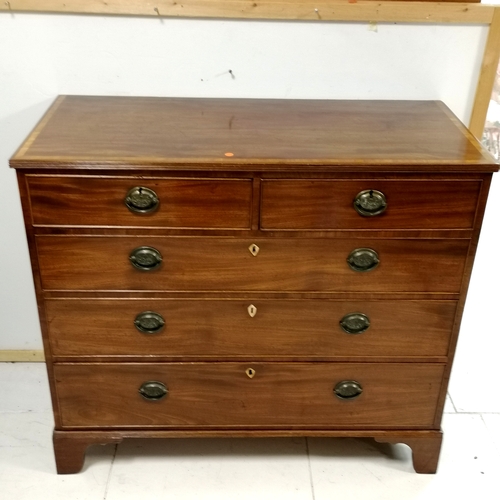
(228, 154)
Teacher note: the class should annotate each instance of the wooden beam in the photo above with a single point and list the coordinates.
(486, 77)
(299, 10)
(21, 356)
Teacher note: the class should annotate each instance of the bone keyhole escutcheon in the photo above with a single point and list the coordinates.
(250, 372)
(254, 249)
(252, 310)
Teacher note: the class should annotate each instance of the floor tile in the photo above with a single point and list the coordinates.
(28, 473)
(363, 469)
(27, 466)
(26, 429)
(448, 405)
(471, 395)
(492, 421)
(470, 382)
(24, 387)
(246, 469)
(476, 364)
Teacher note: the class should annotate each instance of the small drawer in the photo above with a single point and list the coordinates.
(140, 202)
(256, 328)
(253, 394)
(230, 264)
(368, 204)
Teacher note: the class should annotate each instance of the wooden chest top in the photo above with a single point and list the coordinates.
(241, 134)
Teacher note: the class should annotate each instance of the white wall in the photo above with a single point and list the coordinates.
(42, 56)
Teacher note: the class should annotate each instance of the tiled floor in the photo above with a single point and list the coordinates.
(256, 469)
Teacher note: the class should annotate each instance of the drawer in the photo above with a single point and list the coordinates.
(222, 394)
(230, 328)
(227, 264)
(182, 203)
(328, 204)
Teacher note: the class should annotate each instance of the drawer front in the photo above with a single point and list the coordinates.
(328, 204)
(224, 264)
(222, 394)
(248, 329)
(182, 203)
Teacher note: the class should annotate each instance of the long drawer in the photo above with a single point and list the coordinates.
(330, 204)
(229, 328)
(281, 264)
(223, 394)
(175, 203)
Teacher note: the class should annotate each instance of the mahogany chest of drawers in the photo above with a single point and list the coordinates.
(224, 267)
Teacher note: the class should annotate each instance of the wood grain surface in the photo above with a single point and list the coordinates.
(425, 449)
(221, 394)
(218, 264)
(324, 204)
(70, 445)
(183, 203)
(116, 131)
(218, 329)
(449, 11)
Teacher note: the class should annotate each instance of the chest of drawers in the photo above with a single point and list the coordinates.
(212, 267)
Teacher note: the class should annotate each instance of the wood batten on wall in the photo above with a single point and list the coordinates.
(486, 77)
(21, 356)
(300, 10)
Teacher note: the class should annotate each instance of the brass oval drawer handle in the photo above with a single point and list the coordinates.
(363, 259)
(153, 390)
(355, 323)
(142, 200)
(370, 202)
(145, 258)
(149, 322)
(348, 389)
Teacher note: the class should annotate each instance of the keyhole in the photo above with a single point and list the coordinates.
(252, 310)
(371, 193)
(254, 249)
(250, 372)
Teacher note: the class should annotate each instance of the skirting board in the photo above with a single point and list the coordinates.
(22, 356)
